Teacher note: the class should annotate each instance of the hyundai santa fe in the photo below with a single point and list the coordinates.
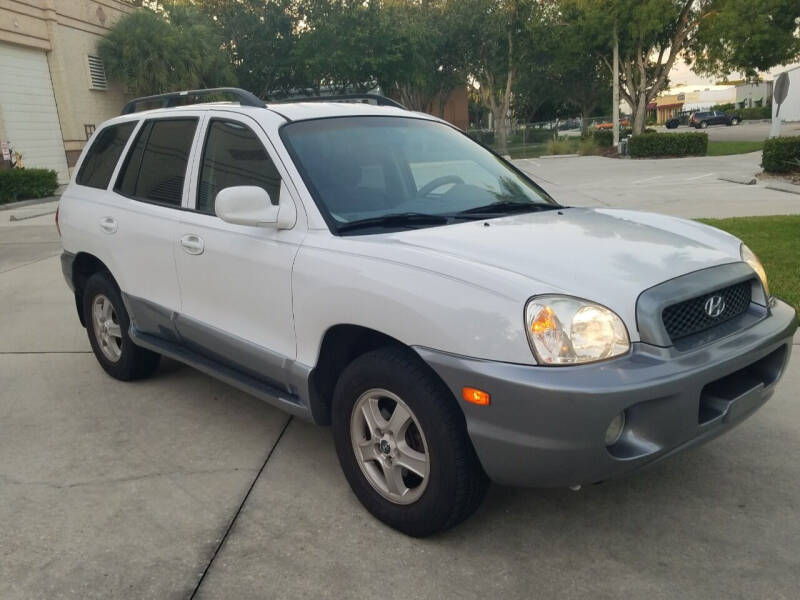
(374, 269)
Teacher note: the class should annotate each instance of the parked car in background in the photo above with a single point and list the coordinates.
(374, 269)
(622, 123)
(701, 120)
(672, 123)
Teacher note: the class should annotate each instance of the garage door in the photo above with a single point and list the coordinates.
(28, 109)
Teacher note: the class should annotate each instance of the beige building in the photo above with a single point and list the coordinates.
(53, 88)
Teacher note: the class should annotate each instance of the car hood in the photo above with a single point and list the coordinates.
(604, 255)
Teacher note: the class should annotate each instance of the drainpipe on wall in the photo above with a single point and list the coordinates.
(51, 19)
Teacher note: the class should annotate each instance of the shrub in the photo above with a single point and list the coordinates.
(728, 107)
(604, 138)
(668, 144)
(628, 131)
(19, 184)
(560, 146)
(482, 137)
(757, 112)
(781, 154)
(588, 147)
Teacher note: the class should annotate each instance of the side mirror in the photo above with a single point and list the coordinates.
(251, 205)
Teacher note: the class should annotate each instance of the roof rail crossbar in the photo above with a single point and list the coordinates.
(379, 100)
(171, 99)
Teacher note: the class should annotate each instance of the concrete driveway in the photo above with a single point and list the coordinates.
(683, 187)
(180, 487)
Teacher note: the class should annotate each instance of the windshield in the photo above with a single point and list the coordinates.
(402, 173)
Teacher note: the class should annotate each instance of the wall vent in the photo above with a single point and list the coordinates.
(97, 74)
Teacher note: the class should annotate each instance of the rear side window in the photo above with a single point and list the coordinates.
(233, 155)
(155, 168)
(103, 155)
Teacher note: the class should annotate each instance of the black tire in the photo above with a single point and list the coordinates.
(456, 484)
(134, 362)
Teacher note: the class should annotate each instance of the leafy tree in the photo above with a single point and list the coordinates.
(494, 32)
(747, 36)
(578, 74)
(260, 38)
(344, 44)
(715, 35)
(429, 61)
(154, 52)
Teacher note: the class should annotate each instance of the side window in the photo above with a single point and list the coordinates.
(103, 155)
(233, 155)
(155, 168)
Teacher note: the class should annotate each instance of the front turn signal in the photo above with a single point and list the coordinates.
(476, 396)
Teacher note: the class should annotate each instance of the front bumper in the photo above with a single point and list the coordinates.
(545, 426)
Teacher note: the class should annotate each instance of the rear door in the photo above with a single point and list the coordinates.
(150, 190)
(236, 280)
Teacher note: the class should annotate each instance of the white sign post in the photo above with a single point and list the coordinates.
(779, 92)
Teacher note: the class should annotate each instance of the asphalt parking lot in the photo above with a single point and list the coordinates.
(181, 486)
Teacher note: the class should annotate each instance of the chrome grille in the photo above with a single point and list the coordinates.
(690, 316)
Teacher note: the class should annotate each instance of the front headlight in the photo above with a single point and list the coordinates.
(751, 259)
(567, 331)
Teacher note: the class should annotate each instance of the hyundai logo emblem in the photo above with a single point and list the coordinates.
(715, 306)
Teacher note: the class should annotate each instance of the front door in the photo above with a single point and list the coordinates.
(235, 280)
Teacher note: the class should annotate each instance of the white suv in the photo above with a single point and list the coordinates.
(375, 269)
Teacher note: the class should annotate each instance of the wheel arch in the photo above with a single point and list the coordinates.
(84, 266)
(341, 345)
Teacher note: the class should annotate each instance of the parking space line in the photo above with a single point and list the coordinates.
(699, 177)
(239, 510)
(648, 179)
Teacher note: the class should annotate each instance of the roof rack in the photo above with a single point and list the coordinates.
(171, 99)
(365, 98)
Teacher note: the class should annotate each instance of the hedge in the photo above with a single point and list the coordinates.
(781, 154)
(18, 184)
(605, 137)
(746, 114)
(668, 144)
(754, 113)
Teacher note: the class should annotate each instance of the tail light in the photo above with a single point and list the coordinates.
(58, 228)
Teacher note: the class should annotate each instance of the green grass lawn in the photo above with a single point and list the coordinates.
(725, 148)
(776, 241)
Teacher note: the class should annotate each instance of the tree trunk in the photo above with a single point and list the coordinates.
(500, 129)
(586, 111)
(639, 113)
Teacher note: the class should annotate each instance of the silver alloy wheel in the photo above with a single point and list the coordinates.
(106, 327)
(390, 446)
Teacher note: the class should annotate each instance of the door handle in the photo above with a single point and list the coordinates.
(193, 244)
(108, 224)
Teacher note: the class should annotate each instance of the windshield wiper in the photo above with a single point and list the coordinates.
(409, 219)
(507, 207)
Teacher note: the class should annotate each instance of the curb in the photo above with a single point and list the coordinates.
(789, 188)
(14, 218)
(751, 180)
(25, 203)
(559, 156)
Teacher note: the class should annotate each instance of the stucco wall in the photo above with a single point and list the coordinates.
(68, 30)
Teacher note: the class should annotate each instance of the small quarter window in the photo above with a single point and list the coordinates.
(155, 169)
(102, 156)
(233, 155)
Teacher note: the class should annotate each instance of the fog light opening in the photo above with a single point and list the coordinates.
(615, 429)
